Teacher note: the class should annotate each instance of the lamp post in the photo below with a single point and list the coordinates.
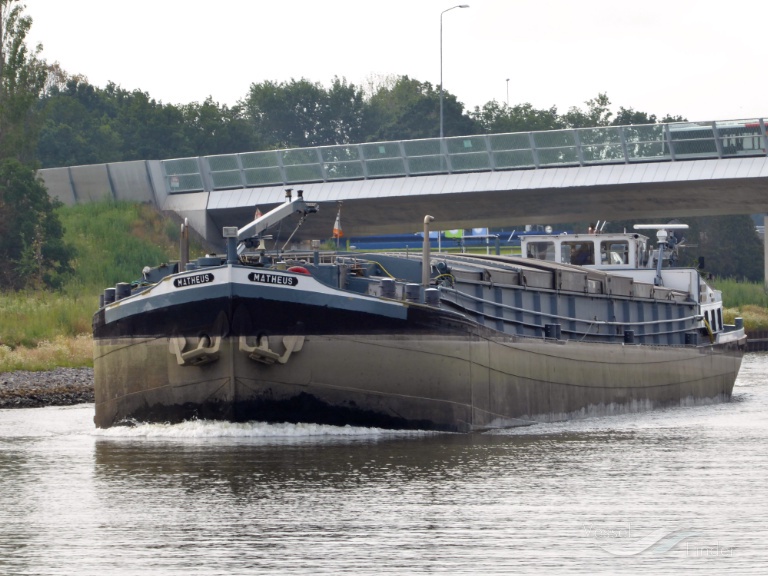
(441, 62)
(507, 92)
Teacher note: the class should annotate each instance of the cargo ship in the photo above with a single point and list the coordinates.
(577, 325)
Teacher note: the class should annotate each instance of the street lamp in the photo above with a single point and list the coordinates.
(441, 61)
(507, 92)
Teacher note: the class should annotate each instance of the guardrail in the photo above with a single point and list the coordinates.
(491, 152)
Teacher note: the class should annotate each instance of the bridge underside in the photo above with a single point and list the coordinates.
(657, 192)
(649, 191)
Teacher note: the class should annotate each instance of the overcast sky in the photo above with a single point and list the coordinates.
(702, 59)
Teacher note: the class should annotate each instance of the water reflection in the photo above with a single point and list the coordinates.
(259, 467)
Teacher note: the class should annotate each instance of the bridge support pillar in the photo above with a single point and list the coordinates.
(765, 253)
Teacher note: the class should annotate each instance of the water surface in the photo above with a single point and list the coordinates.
(681, 490)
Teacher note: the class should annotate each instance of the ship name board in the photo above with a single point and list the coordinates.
(193, 280)
(273, 279)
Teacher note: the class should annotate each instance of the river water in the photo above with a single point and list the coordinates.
(681, 490)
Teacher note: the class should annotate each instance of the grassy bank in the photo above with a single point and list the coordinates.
(61, 352)
(745, 299)
(114, 241)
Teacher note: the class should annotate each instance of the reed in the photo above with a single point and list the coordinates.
(33, 317)
(60, 352)
(747, 300)
(755, 317)
(738, 293)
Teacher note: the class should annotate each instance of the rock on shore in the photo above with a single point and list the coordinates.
(59, 387)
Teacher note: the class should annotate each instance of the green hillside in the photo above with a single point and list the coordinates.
(114, 241)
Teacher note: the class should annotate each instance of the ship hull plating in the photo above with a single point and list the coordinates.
(242, 359)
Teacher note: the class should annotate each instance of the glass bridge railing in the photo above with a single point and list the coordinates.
(456, 155)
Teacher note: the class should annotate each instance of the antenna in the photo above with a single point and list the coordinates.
(660, 226)
(661, 236)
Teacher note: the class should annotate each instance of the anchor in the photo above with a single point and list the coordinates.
(205, 353)
(262, 353)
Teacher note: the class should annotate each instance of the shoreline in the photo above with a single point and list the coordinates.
(57, 387)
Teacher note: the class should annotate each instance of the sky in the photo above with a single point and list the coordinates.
(700, 59)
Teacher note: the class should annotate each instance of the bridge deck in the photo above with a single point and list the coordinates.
(616, 172)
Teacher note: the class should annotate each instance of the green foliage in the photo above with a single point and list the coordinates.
(212, 129)
(22, 79)
(495, 118)
(301, 113)
(597, 114)
(729, 246)
(670, 118)
(79, 127)
(149, 129)
(738, 293)
(62, 351)
(31, 249)
(406, 109)
(31, 317)
(84, 124)
(629, 116)
(31, 244)
(114, 241)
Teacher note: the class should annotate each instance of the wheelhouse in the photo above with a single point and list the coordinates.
(595, 250)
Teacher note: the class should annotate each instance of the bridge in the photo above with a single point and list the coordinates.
(654, 171)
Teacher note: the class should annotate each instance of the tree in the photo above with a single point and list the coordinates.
(212, 129)
(30, 232)
(79, 125)
(22, 80)
(495, 118)
(669, 118)
(597, 113)
(629, 116)
(88, 125)
(343, 112)
(301, 113)
(150, 130)
(406, 109)
(729, 246)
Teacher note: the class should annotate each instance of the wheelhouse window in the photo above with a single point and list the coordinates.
(581, 253)
(614, 253)
(541, 250)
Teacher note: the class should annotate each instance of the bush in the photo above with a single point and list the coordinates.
(31, 236)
